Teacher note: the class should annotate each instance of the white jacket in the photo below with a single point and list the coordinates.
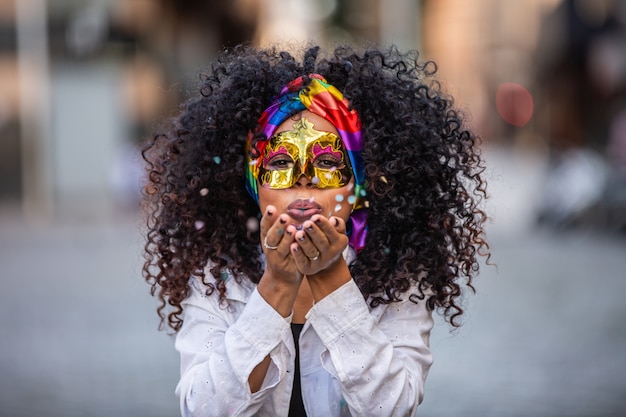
(354, 360)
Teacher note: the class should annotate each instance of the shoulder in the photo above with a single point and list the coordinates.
(238, 290)
(412, 304)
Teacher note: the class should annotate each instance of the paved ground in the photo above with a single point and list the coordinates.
(545, 334)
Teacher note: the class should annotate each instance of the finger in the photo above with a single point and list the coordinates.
(298, 255)
(314, 233)
(279, 235)
(306, 244)
(339, 224)
(267, 220)
(331, 233)
(329, 227)
(288, 238)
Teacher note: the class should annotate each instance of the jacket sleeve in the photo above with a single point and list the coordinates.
(219, 350)
(381, 358)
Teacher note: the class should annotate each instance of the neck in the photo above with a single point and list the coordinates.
(303, 303)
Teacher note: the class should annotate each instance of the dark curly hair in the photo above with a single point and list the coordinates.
(423, 169)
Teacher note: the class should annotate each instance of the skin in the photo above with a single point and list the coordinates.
(292, 281)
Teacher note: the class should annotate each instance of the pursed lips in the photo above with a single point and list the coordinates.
(301, 210)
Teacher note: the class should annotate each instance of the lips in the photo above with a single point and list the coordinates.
(301, 210)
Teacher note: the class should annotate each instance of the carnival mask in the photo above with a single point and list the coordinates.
(320, 156)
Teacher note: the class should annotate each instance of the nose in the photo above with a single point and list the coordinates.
(304, 181)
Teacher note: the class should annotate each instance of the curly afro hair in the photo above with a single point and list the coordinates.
(423, 170)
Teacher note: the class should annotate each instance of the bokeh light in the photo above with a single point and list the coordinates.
(514, 103)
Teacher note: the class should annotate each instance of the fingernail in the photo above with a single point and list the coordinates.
(301, 238)
(283, 220)
(336, 222)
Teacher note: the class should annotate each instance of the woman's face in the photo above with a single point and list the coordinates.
(299, 162)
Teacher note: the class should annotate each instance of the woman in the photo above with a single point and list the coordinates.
(369, 220)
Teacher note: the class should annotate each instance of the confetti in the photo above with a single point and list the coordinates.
(315, 180)
(252, 224)
(386, 250)
(199, 224)
(383, 179)
(204, 192)
(338, 207)
(217, 160)
(352, 199)
(339, 197)
(363, 193)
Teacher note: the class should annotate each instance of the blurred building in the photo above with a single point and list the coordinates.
(83, 82)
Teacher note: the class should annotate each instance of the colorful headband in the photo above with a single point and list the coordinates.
(326, 101)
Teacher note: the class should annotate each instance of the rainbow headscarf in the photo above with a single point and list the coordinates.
(326, 101)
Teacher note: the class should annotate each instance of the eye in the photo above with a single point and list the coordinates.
(279, 162)
(328, 161)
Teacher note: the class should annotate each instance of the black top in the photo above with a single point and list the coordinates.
(296, 406)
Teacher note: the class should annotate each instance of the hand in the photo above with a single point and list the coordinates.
(277, 234)
(319, 245)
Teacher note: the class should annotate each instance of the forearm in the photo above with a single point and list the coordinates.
(228, 365)
(375, 378)
(381, 358)
(257, 376)
(213, 388)
(329, 280)
(281, 297)
(279, 294)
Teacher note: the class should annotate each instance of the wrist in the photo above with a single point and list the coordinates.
(328, 280)
(279, 294)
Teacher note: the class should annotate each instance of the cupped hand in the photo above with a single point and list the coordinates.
(319, 245)
(277, 235)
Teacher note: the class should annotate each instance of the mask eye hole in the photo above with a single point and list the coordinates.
(278, 162)
(328, 162)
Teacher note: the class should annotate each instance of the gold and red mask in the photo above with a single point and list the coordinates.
(320, 156)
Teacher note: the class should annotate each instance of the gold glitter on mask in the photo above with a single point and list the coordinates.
(320, 156)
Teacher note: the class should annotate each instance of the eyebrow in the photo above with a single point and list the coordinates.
(280, 151)
(318, 150)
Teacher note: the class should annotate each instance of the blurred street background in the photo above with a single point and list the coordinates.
(84, 82)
